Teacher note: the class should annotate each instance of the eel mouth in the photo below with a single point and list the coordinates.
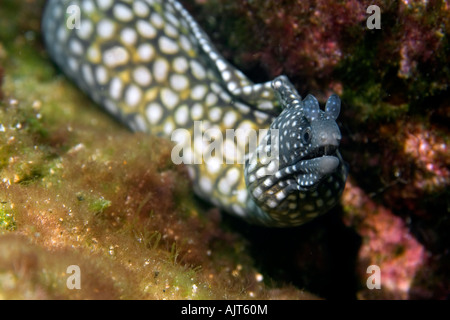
(328, 150)
(318, 163)
(311, 172)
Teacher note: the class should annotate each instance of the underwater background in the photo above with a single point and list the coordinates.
(77, 188)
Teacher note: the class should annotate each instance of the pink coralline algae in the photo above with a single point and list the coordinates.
(303, 39)
(430, 153)
(421, 39)
(387, 243)
(310, 34)
(321, 43)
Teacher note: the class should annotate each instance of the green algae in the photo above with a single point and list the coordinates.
(99, 205)
(7, 220)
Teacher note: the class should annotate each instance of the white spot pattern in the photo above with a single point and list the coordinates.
(149, 62)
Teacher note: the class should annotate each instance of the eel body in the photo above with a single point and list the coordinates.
(258, 151)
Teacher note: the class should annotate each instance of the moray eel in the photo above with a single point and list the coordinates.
(258, 151)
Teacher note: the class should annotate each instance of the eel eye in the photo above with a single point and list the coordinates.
(306, 136)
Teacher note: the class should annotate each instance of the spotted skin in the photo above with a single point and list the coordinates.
(149, 64)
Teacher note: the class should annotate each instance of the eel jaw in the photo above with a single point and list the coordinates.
(311, 170)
